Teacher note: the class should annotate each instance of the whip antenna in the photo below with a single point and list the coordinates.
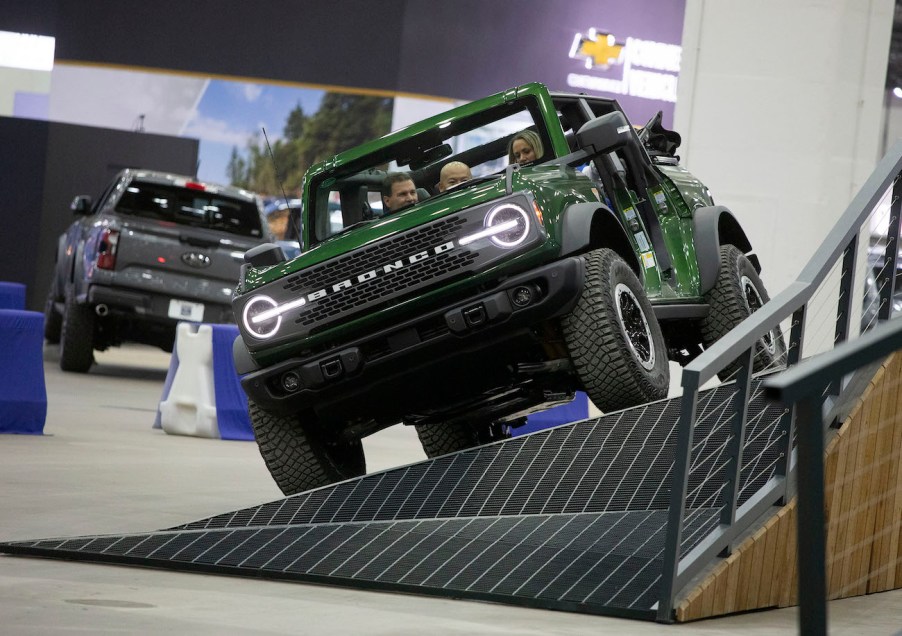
(295, 223)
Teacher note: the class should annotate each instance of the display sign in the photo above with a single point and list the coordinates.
(646, 69)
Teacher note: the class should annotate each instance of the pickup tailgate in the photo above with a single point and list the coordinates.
(185, 262)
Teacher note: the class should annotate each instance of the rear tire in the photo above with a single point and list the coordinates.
(300, 455)
(76, 336)
(614, 339)
(53, 320)
(736, 295)
(441, 439)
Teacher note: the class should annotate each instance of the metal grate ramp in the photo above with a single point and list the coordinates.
(571, 518)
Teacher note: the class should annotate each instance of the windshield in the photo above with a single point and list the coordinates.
(415, 168)
(187, 206)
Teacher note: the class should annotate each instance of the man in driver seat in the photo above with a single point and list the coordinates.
(398, 191)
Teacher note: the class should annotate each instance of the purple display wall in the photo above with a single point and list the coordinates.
(628, 49)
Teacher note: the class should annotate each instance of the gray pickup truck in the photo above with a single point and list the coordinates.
(153, 250)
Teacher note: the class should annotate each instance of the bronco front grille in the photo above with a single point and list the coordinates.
(344, 302)
(354, 263)
(393, 284)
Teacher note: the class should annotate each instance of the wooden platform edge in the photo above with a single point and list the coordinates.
(863, 492)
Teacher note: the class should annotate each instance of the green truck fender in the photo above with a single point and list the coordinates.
(714, 226)
(591, 225)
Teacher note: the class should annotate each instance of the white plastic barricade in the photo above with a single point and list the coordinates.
(202, 396)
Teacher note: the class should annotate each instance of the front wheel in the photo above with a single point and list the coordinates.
(613, 336)
(302, 455)
(736, 295)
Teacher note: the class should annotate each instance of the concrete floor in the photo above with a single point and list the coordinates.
(100, 468)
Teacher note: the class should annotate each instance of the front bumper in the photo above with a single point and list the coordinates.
(420, 345)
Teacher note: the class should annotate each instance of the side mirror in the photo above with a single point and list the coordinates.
(604, 134)
(81, 205)
(264, 255)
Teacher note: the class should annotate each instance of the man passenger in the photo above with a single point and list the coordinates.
(452, 174)
(398, 191)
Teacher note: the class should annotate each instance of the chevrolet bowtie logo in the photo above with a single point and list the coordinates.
(597, 49)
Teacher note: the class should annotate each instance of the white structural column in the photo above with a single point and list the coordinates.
(780, 106)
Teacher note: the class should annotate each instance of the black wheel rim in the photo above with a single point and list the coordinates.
(754, 302)
(635, 326)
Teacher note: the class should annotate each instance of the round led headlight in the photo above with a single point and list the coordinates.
(265, 326)
(512, 223)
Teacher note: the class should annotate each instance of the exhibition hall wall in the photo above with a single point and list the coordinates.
(780, 106)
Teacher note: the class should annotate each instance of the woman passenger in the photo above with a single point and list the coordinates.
(525, 147)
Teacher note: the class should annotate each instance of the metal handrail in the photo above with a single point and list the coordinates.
(740, 344)
(803, 386)
(731, 346)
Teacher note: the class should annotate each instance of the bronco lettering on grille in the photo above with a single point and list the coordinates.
(381, 270)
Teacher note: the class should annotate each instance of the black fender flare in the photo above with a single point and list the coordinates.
(79, 285)
(714, 226)
(585, 226)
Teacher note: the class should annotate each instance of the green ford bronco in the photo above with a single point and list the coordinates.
(588, 267)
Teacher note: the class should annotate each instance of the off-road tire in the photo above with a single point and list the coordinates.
(619, 356)
(76, 336)
(53, 320)
(299, 455)
(737, 294)
(440, 438)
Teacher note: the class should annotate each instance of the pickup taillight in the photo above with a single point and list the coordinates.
(106, 249)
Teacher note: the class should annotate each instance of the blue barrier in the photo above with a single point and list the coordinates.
(573, 411)
(12, 295)
(23, 393)
(231, 400)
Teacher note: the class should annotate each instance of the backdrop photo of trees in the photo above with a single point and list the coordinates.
(342, 121)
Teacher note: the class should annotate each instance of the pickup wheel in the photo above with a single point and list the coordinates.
(301, 456)
(441, 438)
(736, 295)
(53, 320)
(614, 339)
(76, 336)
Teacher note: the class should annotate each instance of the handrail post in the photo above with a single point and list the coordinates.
(796, 335)
(787, 420)
(810, 527)
(844, 305)
(677, 508)
(736, 443)
(886, 279)
(846, 282)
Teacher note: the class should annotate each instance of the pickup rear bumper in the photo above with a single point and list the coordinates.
(149, 306)
(424, 345)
